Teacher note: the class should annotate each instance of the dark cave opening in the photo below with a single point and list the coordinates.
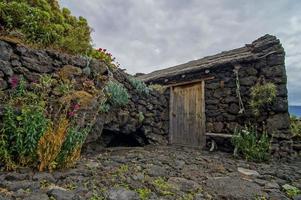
(116, 139)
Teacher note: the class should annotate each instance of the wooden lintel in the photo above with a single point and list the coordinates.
(223, 135)
(190, 82)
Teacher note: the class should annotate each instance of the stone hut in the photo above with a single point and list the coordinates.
(210, 97)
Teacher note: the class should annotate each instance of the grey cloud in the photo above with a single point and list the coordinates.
(147, 35)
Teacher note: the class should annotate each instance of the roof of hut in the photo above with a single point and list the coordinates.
(261, 47)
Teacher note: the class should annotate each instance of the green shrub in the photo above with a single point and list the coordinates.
(296, 126)
(262, 95)
(117, 94)
(139, 86)
(23, 131)
(251, 145)
(43, 23)
(75, 139)
(35, 132)
(5, 155)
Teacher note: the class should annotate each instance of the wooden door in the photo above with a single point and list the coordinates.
(187, 115)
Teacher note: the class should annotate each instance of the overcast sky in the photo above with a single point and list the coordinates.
(146, 35)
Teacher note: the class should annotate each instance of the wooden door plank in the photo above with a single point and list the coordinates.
(203, 115)
(171, 120)
(187, 126)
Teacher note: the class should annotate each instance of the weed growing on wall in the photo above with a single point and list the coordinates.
(261, 96)
(251, 145)
(141, 117)
(139, 86)
(117, 94)
(296, 126)
(159, 88)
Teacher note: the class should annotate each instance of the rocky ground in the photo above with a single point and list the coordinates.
(155, 173)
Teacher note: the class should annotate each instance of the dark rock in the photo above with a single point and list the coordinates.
(43, 176)
(79, 61)
(21, 50)
(87, 71)
(276, 194)
(248, 81)
(122, 193)
(250, 71)
(32, 76)
(34, 65)
(37, 196)
(183, 184)
(14, 176)
(156, 171)
(271, 186)
(212, 85)
(3, 84)
(218, 127)
(25, 184)
(280, 105)
(16, 63)
(233, 108)
(60, 194)
(231, 99)
(297, 197)
(21, 70)
(98, 68)
(275, 59)
(233, 188)
(279, 121)
(274, 71)
(212, 102)
(6, 51)
(229, 117)
(282, 90)
(5, 67)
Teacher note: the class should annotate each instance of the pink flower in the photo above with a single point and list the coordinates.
(76, 107)
(104, 50)
(14, 81)
(71, 114)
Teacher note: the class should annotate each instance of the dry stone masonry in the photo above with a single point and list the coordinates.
(263, 59)
(144, 120)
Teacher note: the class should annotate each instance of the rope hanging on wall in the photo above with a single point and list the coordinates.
(241, 105)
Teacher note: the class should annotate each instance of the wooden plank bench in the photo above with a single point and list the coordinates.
(217, 135)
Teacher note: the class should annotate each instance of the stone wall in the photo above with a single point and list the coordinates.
(222, 103)
(143, 121)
